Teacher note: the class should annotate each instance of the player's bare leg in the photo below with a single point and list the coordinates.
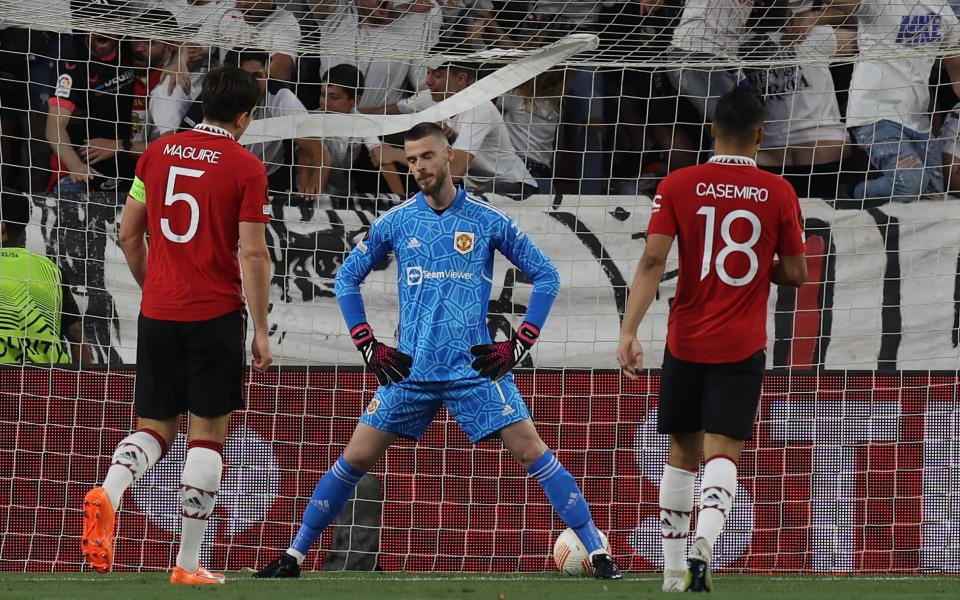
(366, 446)
(335, 488)
(134, 456)
(524, 444)
(717, 489)
(676, 506)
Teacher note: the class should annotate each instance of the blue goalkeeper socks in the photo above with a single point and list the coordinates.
(329, 497)
(562, 491)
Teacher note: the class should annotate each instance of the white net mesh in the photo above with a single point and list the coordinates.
(577, 110)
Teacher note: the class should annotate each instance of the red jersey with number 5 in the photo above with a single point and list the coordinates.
(198, 186)
(730, 219)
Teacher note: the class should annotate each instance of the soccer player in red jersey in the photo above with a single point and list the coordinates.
(732, 221)
(198, 194)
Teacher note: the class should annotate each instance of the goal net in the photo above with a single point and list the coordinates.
(570, 114)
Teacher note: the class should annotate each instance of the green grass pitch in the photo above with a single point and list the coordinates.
(420, 586)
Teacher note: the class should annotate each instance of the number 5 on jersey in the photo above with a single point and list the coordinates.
(730, 245)
(171, 197)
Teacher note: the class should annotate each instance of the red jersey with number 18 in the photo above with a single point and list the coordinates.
(198, 186)
(730, 219)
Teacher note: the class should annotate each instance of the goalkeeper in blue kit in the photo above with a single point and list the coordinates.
(443, 240)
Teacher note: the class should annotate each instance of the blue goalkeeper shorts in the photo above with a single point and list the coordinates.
(482, 408)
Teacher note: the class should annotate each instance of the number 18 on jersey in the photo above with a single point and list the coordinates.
(730, 219)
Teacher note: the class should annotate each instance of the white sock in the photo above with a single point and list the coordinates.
(134, 456)
(676, 505)
(296, 554)
(199, 485)
(717, 489)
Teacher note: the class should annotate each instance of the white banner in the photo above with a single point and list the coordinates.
(883, 294)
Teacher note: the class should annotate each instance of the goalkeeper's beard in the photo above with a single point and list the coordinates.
(439, 178)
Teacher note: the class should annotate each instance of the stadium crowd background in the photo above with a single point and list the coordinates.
(79, 106)
(579, 129)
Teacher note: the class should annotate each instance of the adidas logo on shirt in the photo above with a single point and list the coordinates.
(507, 410)
(413, 243)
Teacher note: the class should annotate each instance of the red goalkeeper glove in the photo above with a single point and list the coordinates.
(387, 363)
(496, 360)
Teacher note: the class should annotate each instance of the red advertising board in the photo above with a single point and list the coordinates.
(847, 473)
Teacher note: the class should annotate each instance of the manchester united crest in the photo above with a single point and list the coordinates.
(373, 406)
(463, 241)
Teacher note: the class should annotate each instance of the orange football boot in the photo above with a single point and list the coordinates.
(201, 576)
(99, 523)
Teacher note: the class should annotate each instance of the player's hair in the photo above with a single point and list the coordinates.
(740, 112)
(455, 68)
(228, 92)
(422, 130)
(238, 56)
(348, 77)
(15, 214)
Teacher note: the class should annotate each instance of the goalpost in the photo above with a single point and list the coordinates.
(854, 466)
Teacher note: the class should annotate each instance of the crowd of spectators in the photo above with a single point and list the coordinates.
(860, 97)
(87, 103)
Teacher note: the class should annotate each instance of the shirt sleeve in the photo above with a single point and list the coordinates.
(471, 131)
(369, 251)
(792, 240)
(415, 103)
(288, 104)
(663, 218)
(254, 202)
(284, 35)
(529, 258)
(819, 43)
(71, 83)
(166, 110)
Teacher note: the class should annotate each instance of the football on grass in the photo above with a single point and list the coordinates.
(570, 555)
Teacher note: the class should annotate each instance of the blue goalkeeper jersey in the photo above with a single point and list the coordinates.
(445, 275)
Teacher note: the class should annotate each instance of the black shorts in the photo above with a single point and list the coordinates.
(195, 366)
(716, 398)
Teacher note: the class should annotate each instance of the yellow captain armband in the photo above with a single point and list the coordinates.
(138, 191)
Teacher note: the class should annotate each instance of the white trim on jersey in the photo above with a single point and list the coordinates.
(396, 208)
(474, 200)
(732, 159)
(213, 130)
